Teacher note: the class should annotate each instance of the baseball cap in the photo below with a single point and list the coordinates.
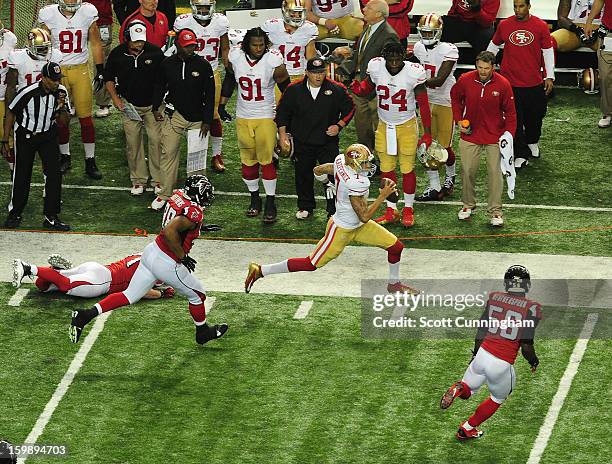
(316, 65)
(186, 37)
(52, 71)
(137, 31)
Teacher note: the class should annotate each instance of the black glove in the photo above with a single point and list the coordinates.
(189, 263)
(585, 39)
(211, 228)
(223, 114)
(98, 80)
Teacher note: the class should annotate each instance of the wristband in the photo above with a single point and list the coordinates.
(322, 22)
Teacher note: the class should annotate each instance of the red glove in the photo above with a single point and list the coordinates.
(168, 292)
(426, 139)
(362, 88)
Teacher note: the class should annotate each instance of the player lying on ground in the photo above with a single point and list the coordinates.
(167, 259)
(495, 351)
(87, 280)
(351, 222)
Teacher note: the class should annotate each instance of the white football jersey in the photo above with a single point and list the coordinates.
(8, 45)
(396, 102)
(255, 83)
(70, 35)
(208, 37)
(332, 9)
(291, 45)
(579, 11)
(29, 69)
(432, 59)
(348, 184)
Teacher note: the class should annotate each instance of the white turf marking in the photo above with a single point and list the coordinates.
(63, 386)
(303, 310)
(318, 197)
(209, 303)
(564, 385)
(18, 296)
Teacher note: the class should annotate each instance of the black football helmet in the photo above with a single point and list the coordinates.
(517, 279)
(199, 190)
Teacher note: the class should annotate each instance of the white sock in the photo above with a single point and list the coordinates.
(467, 426)
(200, 323)
(394, 272)
(90, 150)
(276, 268)
(390, 204)
(216, 143)
(409, 199)
(64, 148)
(99, 308)
(252, 184)
(450, 170)
(434, 180)
(33, 269)
(270, 186)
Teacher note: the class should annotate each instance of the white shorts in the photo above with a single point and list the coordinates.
(94, 280)
(496, 373)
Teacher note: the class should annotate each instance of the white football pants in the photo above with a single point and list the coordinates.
(496, 373)
(95, 278)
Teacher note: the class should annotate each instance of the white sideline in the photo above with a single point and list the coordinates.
(303, 310)
(19, 295)
(318, 197)
(64, 384)
(564, 385)
(209, 303)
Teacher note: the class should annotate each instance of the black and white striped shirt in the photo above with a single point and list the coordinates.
(34, 109)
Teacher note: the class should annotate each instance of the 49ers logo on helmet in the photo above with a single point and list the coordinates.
(521, 38)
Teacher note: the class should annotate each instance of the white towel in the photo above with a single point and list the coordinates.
(391, 139)
(506, 149)
(197, 150)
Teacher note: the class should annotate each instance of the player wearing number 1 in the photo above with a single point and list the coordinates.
(72, 25)
(211, 31)
(496, 348)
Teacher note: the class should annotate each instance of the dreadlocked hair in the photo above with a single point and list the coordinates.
(254, 32)
(393, 49)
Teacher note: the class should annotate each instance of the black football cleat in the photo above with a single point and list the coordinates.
(54, 223)
(429, 195)
(65, 164)
(270, 210)
(12, 222)
(206, 333)
(91, 169)
(448, 188)
(255, 207)
(80, 318)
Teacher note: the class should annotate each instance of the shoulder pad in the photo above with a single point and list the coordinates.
(194, 213)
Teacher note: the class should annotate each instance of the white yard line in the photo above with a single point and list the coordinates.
(564, 385)
(63, 386)
(209, 303)
(303, 310)
(293, 197)
(19, 295)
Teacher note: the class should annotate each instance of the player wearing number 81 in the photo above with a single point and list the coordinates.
(73, 26)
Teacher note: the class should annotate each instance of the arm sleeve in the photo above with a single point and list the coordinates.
(493, 47)
(488, 12)
(549, 62)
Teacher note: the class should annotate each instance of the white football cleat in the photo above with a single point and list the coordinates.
(158, 204)
(605, 122)
(57, 261)
(302, 214)
(535, 150)
(20, 270)
(137, 190)
(497, 220)
(465, 213)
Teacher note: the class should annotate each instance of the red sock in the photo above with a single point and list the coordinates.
(197, 309)
(88, 133)
(409, 182)
(42, 284)
(113, 301)
(216, 129)
(268, 171)
(50, 275)
(485, 410)
(300, 264)
(394, 252)
(63, 133)
(250, 172)
(451, 156)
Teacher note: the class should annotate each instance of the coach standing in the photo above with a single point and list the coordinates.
(314, 110)
(157, 22)
(34, 112)
(190, 85)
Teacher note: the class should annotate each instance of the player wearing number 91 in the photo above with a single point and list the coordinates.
(495, 350)
(211, 31)
(255, 67)
(167, 259)
(72, 25)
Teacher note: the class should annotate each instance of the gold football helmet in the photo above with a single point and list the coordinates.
(294, 13)
(359, 157)
(39, 44)
(430, 28)
(71, 7)
(202, 9)
(588, 80)
(432, 157)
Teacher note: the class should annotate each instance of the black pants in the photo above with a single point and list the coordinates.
(307, 157)
(455, 30)
(530, 103)
(26, 147)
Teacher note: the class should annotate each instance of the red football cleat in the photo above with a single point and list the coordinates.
(408, 217)
(453, 392)
(391, 216)
(463, 434)
(217, 163)
(400, 287)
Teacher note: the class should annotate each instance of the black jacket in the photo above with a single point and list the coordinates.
(124, 8)
(132, 74)
(308, 119)
(190, 85)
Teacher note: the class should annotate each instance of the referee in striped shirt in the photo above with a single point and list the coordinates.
(33, 114)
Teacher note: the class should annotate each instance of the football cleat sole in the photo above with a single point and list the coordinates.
(464, 435)
(18, 272)
(57, 261)
(253, 275)
(453, 392)
(74, 332)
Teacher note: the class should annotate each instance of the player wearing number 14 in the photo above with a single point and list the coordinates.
(72, 25)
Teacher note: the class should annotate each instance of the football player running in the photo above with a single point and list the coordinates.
(211, 30)
(87, 280)
(334, 18)
(255, 67)
(8, 41)
(72, 25)
(294, 37)
(495, 350)
(352, 221)
(440, 61)
(167, 259)
(399, 84)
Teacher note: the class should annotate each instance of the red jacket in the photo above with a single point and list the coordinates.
(485, 16)
(157, 33)
(489, 107)
(105, 11)
(398, 16)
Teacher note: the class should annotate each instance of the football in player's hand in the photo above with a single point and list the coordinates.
(394, 197)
